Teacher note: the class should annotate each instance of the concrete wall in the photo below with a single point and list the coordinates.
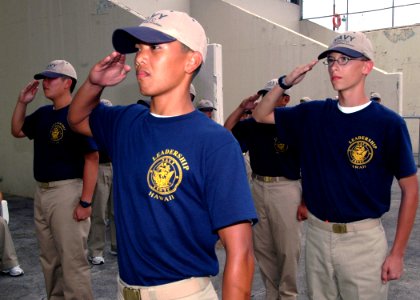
(255, 49)
(145, 8)
(34, 32)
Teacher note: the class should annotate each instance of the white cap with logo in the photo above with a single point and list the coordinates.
(205, 104)
(57, 68)
(163, 26)
(351, 43)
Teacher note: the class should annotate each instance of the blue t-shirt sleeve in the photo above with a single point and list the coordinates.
(105, 122)
(227, 188)
(401, 154)
(29, 127)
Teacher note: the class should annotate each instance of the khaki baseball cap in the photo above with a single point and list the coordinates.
(375, 95)
(268, 86)
(58, 68)
(351, 43)
(163, 26)
(205, 104)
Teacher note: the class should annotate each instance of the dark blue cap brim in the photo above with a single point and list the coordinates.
(346, 51)
(262, 92)
(124, 40)
(47, 74)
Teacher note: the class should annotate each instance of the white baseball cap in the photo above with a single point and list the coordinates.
(163, 26)
(351, 43)
(205, 104)
(58, 68)
(268, 86)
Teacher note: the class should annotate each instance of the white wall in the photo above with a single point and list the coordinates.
(255, 50)
(34, 32)
(146, 7)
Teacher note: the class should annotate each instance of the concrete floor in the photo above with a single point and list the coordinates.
(31, 285)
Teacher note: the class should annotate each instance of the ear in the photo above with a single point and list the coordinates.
(368, 66)
(193, 61)
(68, 82)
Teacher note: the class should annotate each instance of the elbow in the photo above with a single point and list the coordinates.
(17, 133)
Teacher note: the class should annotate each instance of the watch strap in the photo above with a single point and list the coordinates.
(84, 204)
(282, 83)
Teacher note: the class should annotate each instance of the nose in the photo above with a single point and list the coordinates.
(141, 58)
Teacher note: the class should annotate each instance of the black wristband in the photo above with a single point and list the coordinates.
(283, 84)
(85, 204)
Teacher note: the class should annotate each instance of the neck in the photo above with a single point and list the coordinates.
(173, 103)
(62, 101)
(354, 97)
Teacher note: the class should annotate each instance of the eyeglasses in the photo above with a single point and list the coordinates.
(342, 60)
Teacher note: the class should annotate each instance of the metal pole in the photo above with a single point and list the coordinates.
(418, 149)
(393, 12)
(347, 13)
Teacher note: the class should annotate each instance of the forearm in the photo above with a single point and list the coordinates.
(264, 112)
(234, 118)
(406, 214)
(237, 277)
(239, 266)
(18, 118)
(85, 100)
(90, 175)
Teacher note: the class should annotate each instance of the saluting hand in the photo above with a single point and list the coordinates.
(27, 94)
(299, 73)
(249, 103)
(109, 71)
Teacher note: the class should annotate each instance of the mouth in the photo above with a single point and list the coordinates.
(142, 74)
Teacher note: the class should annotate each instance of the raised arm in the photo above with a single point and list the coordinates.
(394, 263)
(239, 266)
(264, 112)
(108, 72)
(235, 116)
(26, 96)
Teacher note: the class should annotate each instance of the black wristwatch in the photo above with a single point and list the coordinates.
(283, 84)
(84, 204)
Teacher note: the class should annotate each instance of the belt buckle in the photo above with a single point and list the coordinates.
(267, 179)
(131, 294)
(44, 185)
(339, 228)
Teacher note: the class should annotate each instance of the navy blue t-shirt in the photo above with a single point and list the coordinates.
(58, 151)
(269, 155)
(348, 161)
(177, 181)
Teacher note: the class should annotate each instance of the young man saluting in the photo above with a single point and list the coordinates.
(351, 149)
(180, 181)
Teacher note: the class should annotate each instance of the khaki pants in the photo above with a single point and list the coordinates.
(199, 288)
(8, 257)
(62, 240)
(345, 265)
(277, 235)
(102, 203)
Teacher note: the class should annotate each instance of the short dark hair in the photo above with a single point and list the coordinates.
(73, 82)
